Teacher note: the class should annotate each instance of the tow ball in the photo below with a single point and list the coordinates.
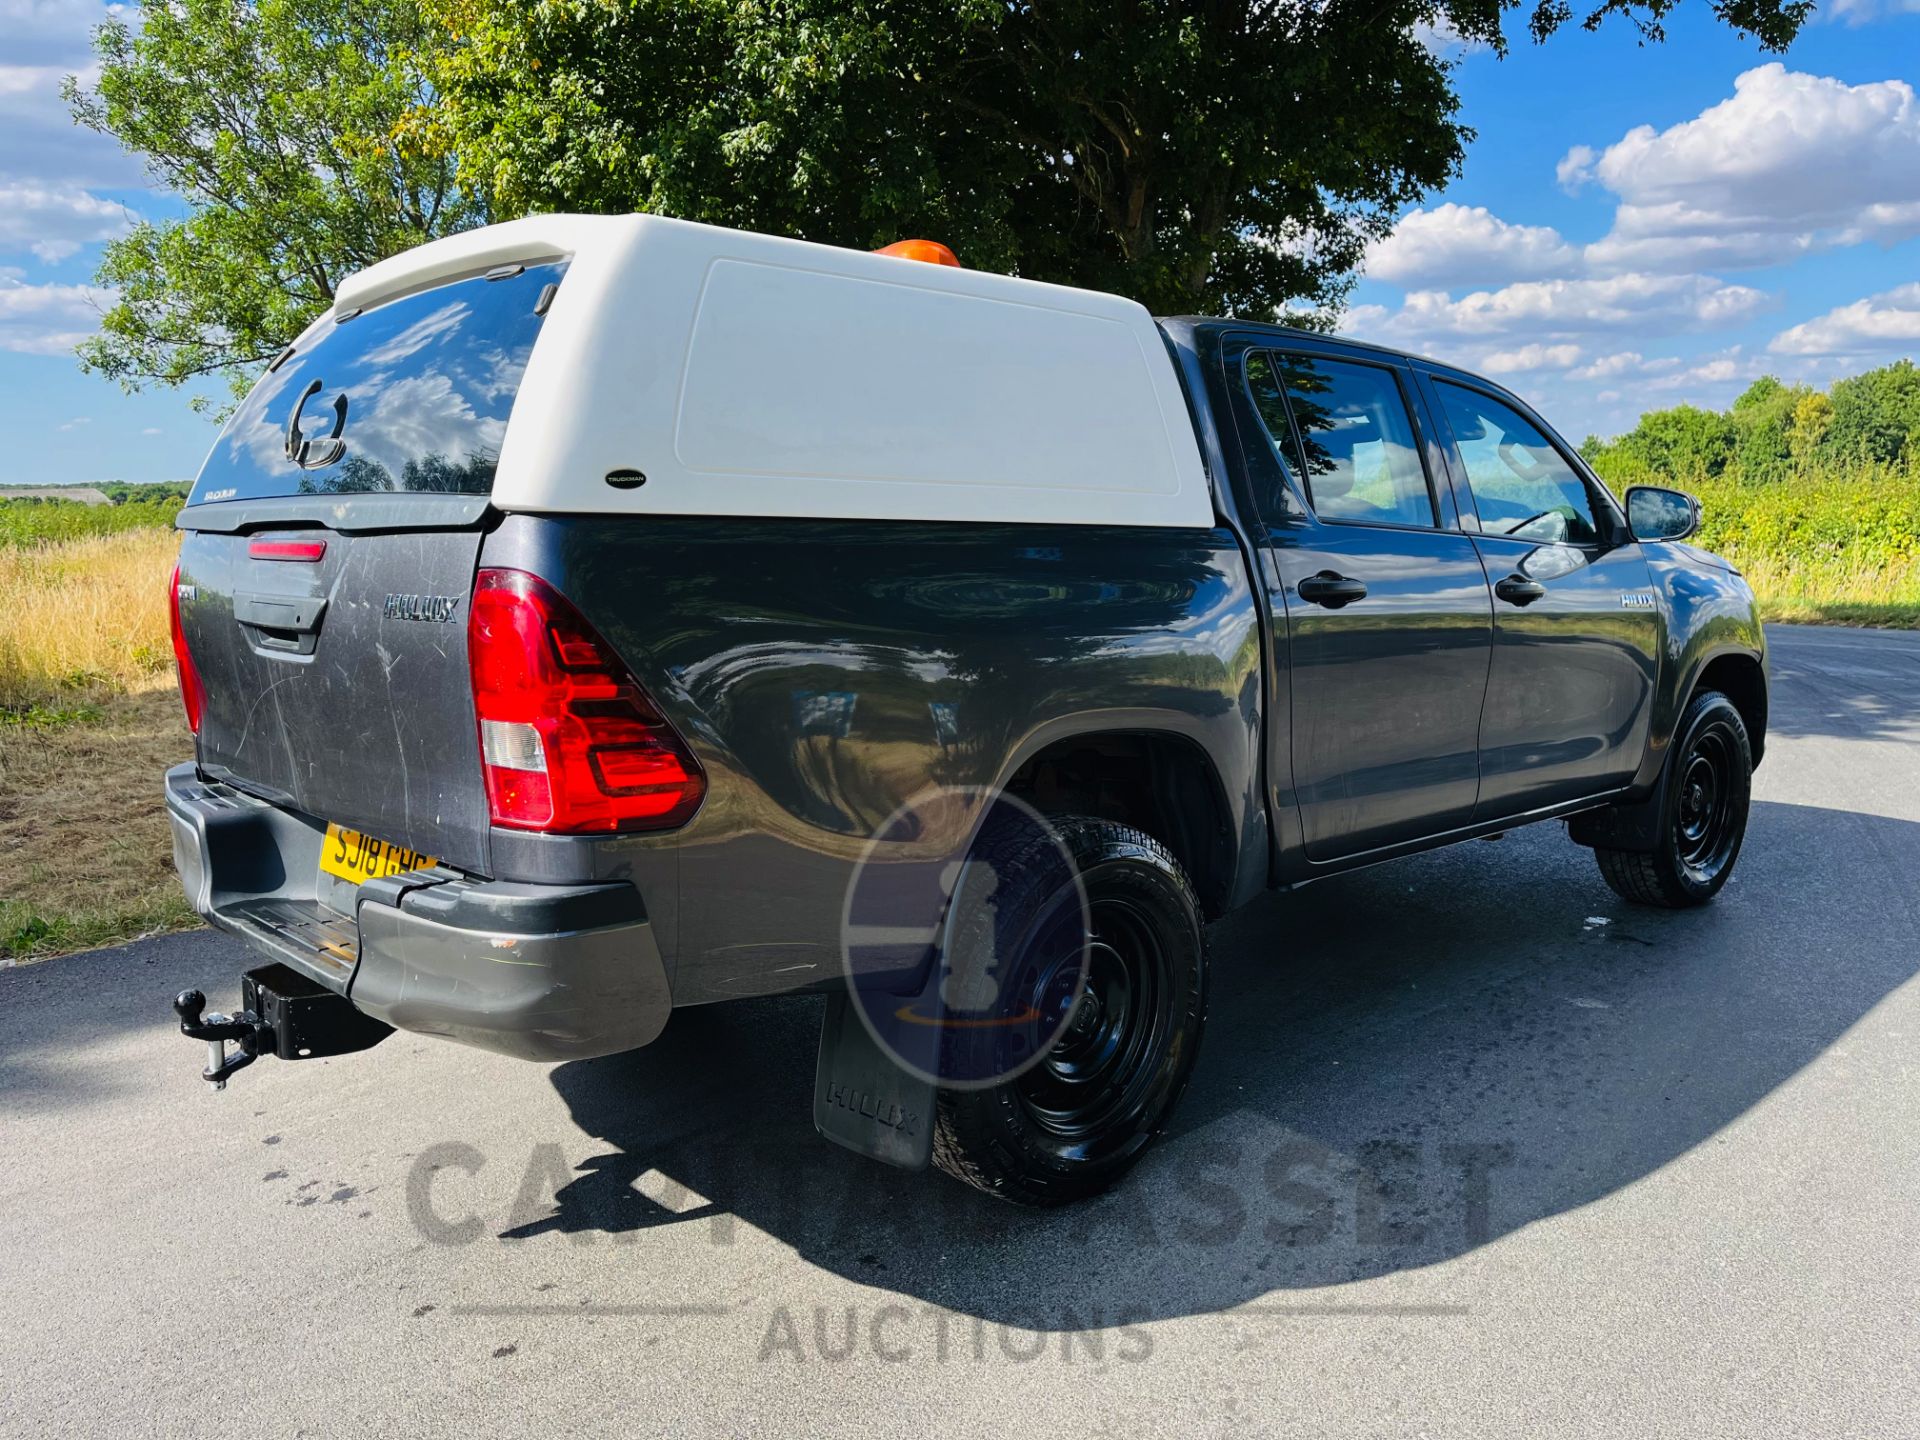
(283, 1013)
(217, 1029)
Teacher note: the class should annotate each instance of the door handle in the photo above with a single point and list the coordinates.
(1331, 590)
(1518, 590)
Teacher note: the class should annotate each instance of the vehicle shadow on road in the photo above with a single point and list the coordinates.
(1401, 1065)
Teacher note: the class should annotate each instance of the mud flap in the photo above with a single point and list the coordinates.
(1639, 827)
(863, 1100)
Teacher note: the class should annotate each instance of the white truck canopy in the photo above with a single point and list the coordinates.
(745, 374)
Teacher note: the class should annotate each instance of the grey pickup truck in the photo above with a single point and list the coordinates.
(591, 616)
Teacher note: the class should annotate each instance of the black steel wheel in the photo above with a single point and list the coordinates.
(1705, 817)
(1126, 1030)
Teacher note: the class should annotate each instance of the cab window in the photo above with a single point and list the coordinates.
(1522, 485)
(1356, 446)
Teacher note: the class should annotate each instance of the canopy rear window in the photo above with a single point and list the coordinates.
(412, 395)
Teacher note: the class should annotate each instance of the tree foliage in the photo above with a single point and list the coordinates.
(1214, 155)
(1217, 155)
(1876, 416)
(274, 121)
(1775, 430)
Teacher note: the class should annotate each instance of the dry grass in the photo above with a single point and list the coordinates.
(85, 859)
(1835, 590)
(89, 720)
(84, 620)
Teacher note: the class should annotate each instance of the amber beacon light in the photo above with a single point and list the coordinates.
(931, 251)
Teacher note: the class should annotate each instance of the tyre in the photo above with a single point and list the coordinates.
(1705, 813)
(1072, 1123)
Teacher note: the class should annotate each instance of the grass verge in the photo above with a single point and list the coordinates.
(89, 720)
(85, 858)
(1834, 590)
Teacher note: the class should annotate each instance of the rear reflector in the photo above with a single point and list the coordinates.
(307, 550)
(569, 741)
(192, 695)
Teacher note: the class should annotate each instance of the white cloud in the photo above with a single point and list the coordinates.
(1790, 164)
(1621, 362)
(1549, 312)
(45, 41)
(77, 422)
(417, 336)
(1459, 244)
(153, 430)
(48, 319)
(1889, 321)
(422, 415)
(1576, 167)
(1443, 40)
(1861, 12)
(1714, 370)
(54, 221)
(1530, 357)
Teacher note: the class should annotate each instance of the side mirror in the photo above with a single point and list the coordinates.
(1657, 514)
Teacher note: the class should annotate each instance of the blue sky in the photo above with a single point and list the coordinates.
(1635, 227)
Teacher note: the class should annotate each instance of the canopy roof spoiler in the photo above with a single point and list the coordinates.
(536, 239)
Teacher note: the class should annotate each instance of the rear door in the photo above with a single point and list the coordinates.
(332, 539)
(1388, 618)
(1577, 631)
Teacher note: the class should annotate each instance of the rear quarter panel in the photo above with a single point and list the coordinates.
(826, 672)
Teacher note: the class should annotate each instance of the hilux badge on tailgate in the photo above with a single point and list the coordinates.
(436, 609)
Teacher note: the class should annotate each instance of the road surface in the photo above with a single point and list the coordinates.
(1474, 1148)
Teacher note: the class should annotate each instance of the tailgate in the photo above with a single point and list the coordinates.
(340, 687)
(332, 539)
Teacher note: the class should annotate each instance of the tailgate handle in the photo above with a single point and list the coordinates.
(297, 614)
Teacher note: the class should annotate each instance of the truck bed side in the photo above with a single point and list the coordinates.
(826, 672)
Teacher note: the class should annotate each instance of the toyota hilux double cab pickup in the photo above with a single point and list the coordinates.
(592, 616)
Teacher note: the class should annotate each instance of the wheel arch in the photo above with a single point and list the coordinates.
(1158, 781)
(1742, 677)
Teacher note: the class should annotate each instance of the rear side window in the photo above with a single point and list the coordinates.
(1522, 486)
(1356, 440)
(412, 395)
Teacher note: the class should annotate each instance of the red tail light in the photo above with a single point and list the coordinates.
(192, 694)
(569, 741)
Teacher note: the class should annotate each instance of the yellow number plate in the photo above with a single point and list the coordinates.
(356, 857)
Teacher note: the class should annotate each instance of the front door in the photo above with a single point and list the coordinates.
(1388, 616)
(1577, 632)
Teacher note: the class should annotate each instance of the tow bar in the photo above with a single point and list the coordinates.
(282, 1013)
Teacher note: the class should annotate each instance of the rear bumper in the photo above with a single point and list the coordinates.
(543, 972)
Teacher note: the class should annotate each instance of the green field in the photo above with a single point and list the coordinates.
(28, 522)
(1814, 494)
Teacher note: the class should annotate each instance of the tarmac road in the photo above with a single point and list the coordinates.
(1474, 1149)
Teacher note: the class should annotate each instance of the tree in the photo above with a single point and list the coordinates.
(1763, 423)
(1685, 442)
(1876, 416)
(1812, 417)
(1214, 155)
(274, 121)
